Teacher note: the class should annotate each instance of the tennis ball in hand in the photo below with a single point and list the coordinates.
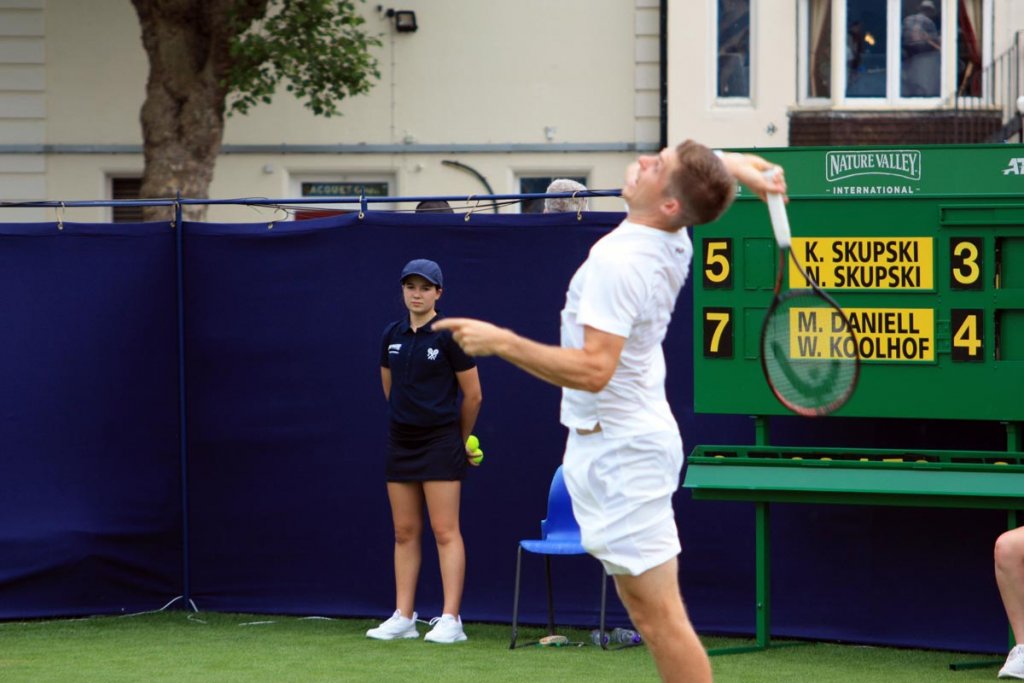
(476, 456)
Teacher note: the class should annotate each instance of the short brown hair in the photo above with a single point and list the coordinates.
(701, 183)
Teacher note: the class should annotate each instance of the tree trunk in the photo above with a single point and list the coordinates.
(187, 42)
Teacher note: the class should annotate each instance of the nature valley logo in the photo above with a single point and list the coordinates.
(873, 172)
(901, 163)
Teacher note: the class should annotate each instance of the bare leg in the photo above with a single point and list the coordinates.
(407, 513)
(443, 505)
(1009, 561)
(655, 605)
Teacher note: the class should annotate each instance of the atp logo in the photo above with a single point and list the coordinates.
(432, 354)
(1016, 167)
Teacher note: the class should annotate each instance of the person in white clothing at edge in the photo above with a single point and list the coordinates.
(624, 451)
(1009, 561)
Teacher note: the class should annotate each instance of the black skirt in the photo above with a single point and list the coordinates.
(425, 453)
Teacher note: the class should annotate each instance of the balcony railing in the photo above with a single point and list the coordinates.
(985, 102)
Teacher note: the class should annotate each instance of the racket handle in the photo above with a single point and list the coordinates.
(777, 211)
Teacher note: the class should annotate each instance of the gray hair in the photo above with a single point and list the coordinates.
(565, 204)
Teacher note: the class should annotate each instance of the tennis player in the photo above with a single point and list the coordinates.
(624, 451)
(422, 371)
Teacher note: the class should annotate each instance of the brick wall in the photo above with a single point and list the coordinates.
(834, 128)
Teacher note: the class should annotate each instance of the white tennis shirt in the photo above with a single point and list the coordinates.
(628, 287)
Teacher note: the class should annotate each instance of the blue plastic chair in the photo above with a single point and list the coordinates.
(559, 535)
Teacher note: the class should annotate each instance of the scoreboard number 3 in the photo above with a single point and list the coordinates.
(965, 263)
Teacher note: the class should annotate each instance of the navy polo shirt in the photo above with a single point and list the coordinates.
(423, 364)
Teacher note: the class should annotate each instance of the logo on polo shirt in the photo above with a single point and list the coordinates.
(394, 348)
(432, 354)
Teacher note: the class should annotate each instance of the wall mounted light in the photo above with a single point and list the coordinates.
(405, 20)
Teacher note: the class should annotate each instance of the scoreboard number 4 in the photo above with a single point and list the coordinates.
(968, 333)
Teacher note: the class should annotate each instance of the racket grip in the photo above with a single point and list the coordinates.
(778, 214)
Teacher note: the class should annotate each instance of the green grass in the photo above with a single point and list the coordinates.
(176, 646)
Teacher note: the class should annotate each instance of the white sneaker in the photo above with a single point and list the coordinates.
(1014, 666)
(395, 627)
(447, 629)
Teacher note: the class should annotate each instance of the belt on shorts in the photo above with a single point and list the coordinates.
(588, 432)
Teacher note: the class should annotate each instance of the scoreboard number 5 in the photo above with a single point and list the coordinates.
(968, 334)
(717, 263)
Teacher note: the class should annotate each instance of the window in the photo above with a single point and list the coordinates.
(733, 48)
(818, 40)
(539, 185)
(969, 58)
(126, 188)
(895, 51)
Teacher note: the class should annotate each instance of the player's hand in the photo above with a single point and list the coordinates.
(750, 169)
(476, 337)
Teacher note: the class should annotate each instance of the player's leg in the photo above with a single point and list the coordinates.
(656, 608)
(1009, 564)
(407, 513)
(443, 498)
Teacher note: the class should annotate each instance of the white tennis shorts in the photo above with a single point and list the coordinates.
(621, 492)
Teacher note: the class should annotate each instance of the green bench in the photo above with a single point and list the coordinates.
(848, 476)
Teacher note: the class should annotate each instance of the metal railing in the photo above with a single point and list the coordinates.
(985, 101)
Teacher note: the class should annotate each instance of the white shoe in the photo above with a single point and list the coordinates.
(1014, 666)
(447, 629)
(395, 627)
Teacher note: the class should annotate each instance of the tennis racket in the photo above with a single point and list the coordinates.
(808, 349)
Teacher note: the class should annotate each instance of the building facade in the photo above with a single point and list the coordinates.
(499, 97)
(844, 72)
(482, 97)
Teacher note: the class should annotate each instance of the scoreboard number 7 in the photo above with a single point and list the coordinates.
(717, 332)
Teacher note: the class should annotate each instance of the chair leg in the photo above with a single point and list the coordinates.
(515, 600)
(604, 603)
(551, 600)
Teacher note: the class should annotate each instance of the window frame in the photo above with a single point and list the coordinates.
(116, 186)
(893, 99)
(738, 102)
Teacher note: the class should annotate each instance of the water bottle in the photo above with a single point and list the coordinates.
(625, 636)
(617, 636)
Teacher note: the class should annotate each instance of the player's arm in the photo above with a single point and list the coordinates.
(385, 379)
(749, 169)
(589, 368)
(472, 397)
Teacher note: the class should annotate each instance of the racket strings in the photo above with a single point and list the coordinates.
(809, 353)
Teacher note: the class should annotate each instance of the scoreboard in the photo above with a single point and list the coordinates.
(923, 249)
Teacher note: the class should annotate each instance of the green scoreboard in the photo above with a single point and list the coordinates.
(924, 250)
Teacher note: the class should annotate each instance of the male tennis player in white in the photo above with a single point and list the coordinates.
(624, 452)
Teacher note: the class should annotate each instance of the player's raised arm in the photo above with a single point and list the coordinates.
(589, 368)
(750, 169)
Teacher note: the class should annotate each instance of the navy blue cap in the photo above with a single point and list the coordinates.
(426, 269)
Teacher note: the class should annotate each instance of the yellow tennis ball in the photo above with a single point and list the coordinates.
(476, 457)
(472, 443)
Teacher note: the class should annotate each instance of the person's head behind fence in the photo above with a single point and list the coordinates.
(434, 206)
(565, 204)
